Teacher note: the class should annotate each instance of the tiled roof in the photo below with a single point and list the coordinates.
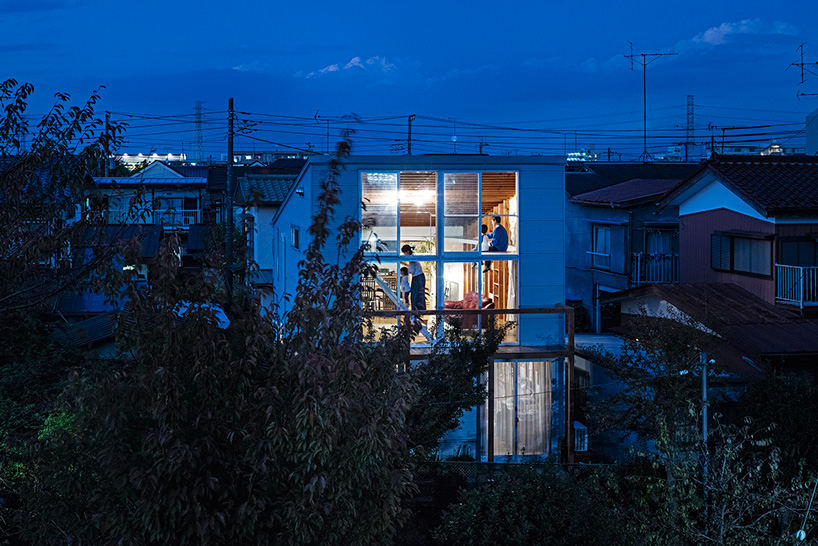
(773, 184)
(265, 189)
(624, 194)
(133, 181)
(90, 331)
(217, 179)
(747, 322)
(149, 236)
(599, 175)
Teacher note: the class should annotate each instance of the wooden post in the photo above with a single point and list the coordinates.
(569, 381)
(490, 414)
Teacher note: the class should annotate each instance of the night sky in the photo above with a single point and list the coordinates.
(522, 76)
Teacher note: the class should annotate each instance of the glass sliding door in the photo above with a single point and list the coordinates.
(522, 409)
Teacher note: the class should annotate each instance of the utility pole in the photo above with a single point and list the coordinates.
(689, 141)
(198, 155)
(647, 58)
(409, 136)
(228, 213)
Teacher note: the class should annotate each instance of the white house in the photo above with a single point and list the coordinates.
(436, 204)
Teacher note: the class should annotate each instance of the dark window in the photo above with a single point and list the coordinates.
(601, 247)
(294, 236)
(741, 254)
(801, 253)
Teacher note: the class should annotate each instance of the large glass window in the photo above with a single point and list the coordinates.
(401, 208)
(418, 205)
(380, 216)
(462, 212)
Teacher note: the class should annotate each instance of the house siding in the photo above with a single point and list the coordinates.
(695, 247)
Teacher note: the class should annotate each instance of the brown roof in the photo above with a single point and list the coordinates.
(773, 185)
(626, 194)
(756, 328)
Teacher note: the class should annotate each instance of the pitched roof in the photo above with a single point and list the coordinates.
(217, 178)
(149, 235)
(89, 331)
(108, 181)
(264, 189)
(597, 175)
(759, 329)
(628, 193)
(772, 184)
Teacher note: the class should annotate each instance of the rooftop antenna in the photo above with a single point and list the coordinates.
(646, 59)
(802, 65)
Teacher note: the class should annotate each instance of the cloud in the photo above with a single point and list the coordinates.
(377, 65)
(725, 32)
(252, 66)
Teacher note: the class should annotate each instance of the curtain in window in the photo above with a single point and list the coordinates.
(522, 408)
(504, 408)
(533, 405)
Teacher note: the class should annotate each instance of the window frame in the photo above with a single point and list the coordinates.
(730, 239)
(595, 253)
(295, 237)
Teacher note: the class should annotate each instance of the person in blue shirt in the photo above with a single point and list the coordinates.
(498, 238)
(417, 292)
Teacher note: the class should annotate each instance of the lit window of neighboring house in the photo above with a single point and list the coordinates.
(741, 254)
(601, 247)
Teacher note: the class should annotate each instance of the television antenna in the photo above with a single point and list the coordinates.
(644, 59)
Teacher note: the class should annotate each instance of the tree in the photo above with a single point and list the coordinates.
(680, 489)
(42, 179)
(537, 505)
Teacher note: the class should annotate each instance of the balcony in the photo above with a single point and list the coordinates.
(170, 219)
(795, 285)
(654, 268)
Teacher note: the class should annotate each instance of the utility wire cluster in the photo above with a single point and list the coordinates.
(613, 136)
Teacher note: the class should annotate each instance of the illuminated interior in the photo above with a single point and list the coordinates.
(439, 214)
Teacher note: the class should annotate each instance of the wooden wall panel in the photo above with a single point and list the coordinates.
(694, 249)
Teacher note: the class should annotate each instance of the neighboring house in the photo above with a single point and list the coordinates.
(752, 221)
(615, 236)
(754, 338)
(157, 195)
(258, 197)
(437, 204)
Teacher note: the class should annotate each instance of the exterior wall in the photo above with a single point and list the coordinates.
(715, 195)
(295, 212)
(541, 251)
(541, 267)
(694, 249)
(627, 233)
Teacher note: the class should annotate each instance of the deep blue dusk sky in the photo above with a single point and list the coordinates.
(527, 64)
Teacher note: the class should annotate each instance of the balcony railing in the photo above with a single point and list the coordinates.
(169, 218)
(654, 268)
(795, 285)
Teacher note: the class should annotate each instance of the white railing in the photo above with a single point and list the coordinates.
(580, 437)
(169, 218)
(654, 268)
(796, 285)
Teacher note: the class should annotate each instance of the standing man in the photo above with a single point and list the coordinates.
(498, 238)
(417, 290)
